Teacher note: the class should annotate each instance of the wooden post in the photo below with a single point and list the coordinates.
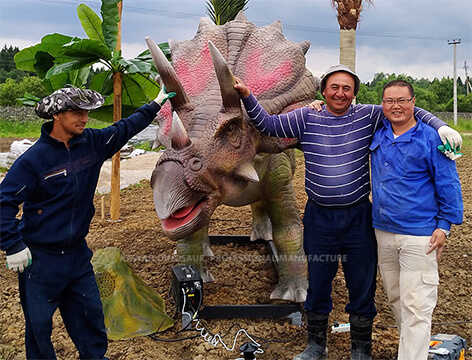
(102, 207)
(115, 164)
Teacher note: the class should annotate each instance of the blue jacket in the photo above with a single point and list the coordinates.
(56, 185)
(415, 188)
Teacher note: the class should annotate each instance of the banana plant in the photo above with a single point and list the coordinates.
(60, 59)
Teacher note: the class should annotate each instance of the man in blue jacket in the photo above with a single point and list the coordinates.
(416, 197)
(55, 180)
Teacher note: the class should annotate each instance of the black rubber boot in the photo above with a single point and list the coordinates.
(317, 325)
(361, 337)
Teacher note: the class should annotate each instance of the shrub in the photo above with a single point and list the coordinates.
(11, 90)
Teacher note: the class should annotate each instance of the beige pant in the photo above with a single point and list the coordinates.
(410, 279)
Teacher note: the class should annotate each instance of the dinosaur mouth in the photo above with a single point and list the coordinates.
(183, 216)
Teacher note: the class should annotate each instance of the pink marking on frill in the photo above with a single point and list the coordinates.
(195, 77)
(166, 113)
(261, 81)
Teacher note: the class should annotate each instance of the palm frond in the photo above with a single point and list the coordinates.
(222, 11)
(349, 12)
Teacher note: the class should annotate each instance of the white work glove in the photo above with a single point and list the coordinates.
(20, 260)
(163, 96)
(452, 142)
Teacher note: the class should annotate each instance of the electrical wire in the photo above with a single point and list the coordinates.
(297, 27)
(215, 339)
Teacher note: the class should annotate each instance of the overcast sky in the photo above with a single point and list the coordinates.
(400, 36)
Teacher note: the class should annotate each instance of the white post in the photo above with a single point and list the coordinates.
(454, 43)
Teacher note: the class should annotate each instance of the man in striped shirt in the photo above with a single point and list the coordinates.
(338, 214)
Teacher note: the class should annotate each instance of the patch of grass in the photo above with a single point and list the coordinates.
(20, 129)
(140, 185)
(466, 142)
(147, 146)
(32, 129)
(463, 125)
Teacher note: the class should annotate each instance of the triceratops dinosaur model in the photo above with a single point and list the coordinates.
(215, 156)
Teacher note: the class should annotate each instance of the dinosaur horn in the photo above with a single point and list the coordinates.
(168, 75)
(248, 172)
(179, 135)
(229, 94)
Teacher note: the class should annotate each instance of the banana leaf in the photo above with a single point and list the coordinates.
(50, 44)
(86, 48)
(91, 23)
(111, 18)
(137, 90)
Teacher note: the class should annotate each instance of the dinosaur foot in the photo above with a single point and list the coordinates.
(292, 290)
(207, 277)
(261, 230)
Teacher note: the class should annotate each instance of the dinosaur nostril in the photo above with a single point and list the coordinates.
(195, 164)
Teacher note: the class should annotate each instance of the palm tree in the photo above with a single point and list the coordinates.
(222, 11)
(348, 16)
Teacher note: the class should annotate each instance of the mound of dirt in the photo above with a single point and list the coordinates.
(240, 281)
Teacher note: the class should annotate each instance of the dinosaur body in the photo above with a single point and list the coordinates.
(215, 156)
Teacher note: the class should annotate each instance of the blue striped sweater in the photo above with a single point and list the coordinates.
(336, 148)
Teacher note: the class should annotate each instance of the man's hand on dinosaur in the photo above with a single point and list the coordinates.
(241, 87)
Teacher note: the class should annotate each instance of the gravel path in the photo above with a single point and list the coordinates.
(132, 171)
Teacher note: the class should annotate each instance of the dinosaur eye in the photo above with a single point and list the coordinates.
(234, 135)
(195, 164)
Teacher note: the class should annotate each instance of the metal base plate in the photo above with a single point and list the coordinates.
(292, 311)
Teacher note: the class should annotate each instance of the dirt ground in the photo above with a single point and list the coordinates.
(141, 240)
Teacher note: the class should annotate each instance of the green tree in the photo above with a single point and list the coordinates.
(464, 103)
(443, 89)
(61, 59)
(8, 69)
(367, 96)
(6, 57)
(426, 99)
(222, 11)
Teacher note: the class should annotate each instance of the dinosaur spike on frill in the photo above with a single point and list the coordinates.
(277, 25)
(305, 45)
(204, 25)
(241, 16)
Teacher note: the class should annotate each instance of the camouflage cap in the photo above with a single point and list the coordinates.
(336, 68)
(68, 98)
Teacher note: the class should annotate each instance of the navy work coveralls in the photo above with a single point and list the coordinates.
(56, 186)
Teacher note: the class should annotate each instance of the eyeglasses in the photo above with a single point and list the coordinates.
(399, 101)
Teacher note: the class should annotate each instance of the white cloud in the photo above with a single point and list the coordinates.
(370, 61)
(406, 61)
(20, 43)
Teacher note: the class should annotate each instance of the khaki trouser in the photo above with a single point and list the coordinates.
(410, 279)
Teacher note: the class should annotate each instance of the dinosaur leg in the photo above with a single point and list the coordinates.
(192, 250)
(287, 230)
(261, 225)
